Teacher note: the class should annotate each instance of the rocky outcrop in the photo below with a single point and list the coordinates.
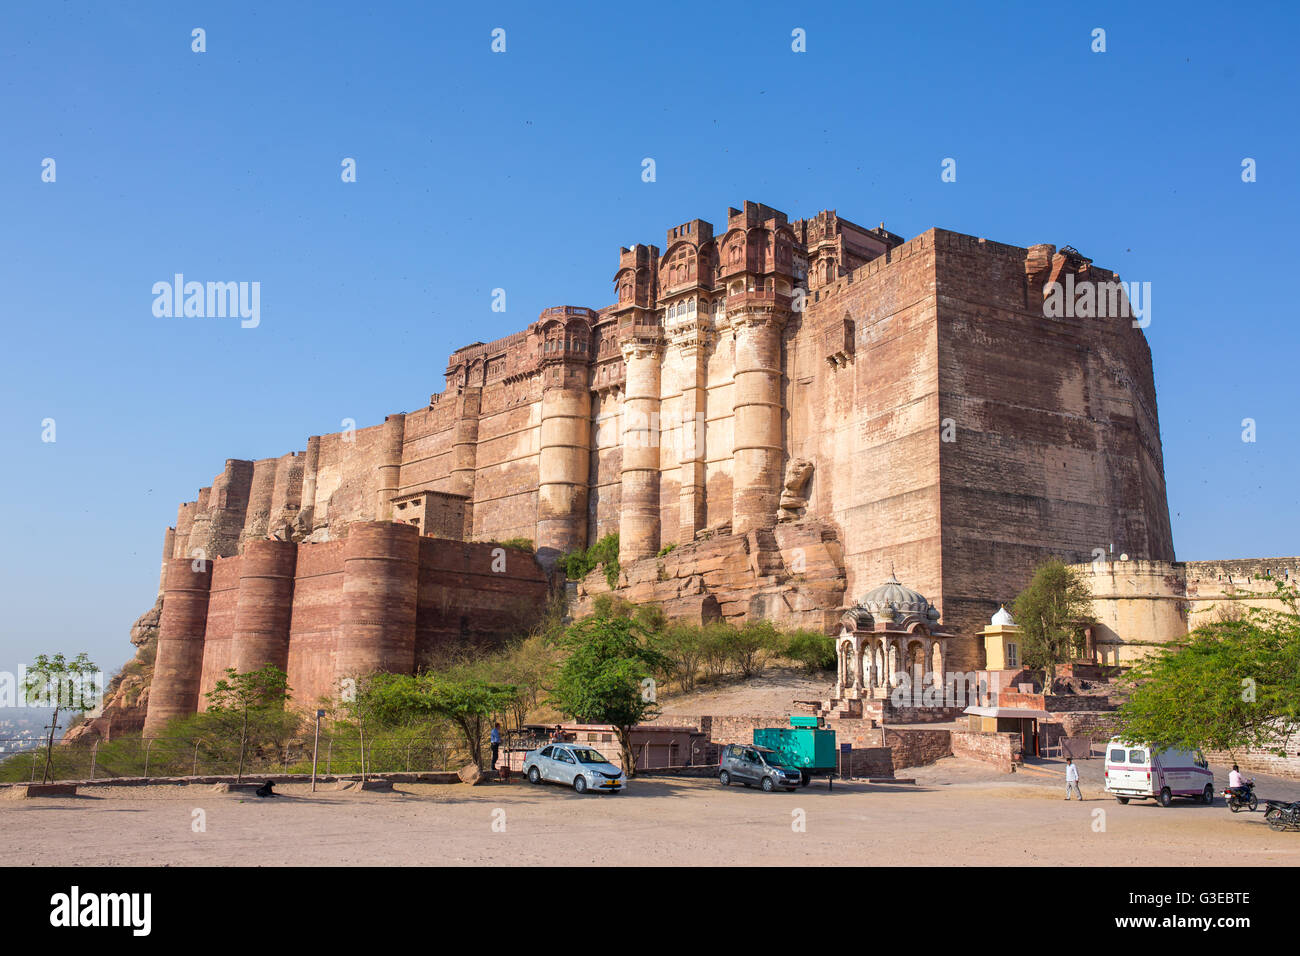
(126, 696)
(792, 575)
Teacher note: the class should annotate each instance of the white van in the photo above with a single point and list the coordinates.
(1140, 771)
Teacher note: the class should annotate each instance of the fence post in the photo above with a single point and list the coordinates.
(148, 745)
(329, 758)
(34, 753)
(196, 758)
(94, 753)
(408, 755)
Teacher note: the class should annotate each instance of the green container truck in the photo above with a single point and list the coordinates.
(801, 745)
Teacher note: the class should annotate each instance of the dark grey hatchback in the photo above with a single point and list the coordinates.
(748, 764)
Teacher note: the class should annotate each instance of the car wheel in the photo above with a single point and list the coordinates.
(1122, 799)
(768, 786)
(1166, 797)
(1207, 795)
(580, 783)
(1254, 802)
(805, 778)
(724, 778)
(534, 775)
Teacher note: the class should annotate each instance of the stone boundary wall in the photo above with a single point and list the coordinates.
(1001, 750)
(917, 748)
(1261, 761)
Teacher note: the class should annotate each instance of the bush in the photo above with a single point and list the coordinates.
(523, 544)
(578, 564)
(813, 649)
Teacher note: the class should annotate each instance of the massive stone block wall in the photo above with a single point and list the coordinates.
(671, 415)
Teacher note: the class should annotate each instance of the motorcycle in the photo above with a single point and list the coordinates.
(1282, 816)
(1241, 796)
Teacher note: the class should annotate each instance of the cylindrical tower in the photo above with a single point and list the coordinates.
(390, 465)
(464, 450)
(261, 633)
(308, 498)
(564, 461)
(178, 667)
(380, 584)
(758, 454)
(638, 526)
(169, 549)
(258, 517)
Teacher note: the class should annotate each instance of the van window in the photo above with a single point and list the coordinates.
(1137, 756)
(1118, 755)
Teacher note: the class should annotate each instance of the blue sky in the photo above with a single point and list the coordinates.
(522, 170)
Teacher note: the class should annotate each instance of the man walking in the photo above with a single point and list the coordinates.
(1072, 779)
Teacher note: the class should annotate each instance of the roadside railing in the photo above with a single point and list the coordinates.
(24, 760)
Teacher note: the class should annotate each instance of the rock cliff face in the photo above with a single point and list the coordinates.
(126, 696)
(792, 575)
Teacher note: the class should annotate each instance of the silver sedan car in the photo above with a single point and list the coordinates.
(574, 765)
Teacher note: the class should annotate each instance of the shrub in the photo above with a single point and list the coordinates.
(813, 649)
(578, 564)
(523, 544)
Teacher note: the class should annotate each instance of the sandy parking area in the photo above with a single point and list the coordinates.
(959, 812)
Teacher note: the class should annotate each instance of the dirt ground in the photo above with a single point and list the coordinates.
(958, 812)
(769, 692)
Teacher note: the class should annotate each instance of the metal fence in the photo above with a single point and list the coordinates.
(24, 760)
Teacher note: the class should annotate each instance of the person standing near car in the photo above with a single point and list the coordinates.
(495, 739)
(1072, 779)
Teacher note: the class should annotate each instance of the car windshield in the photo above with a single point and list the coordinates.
(587, 755)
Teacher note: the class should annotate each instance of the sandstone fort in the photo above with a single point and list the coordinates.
(773, 415)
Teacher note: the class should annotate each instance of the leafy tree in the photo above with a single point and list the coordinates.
(248, 700)
(683, 647)
(602, 679)
(1230, 684)
(62, 684)
(750, 645)
(464, 698)
(1052, 613)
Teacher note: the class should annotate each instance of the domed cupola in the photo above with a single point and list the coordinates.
(894, 602)
(1003, 618)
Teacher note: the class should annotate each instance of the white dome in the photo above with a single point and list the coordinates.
(1003, 618)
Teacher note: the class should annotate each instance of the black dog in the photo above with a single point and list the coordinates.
(265, 790)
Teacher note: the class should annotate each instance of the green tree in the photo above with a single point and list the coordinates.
(63, 684)
(1052, 613)
(460, 696)
(603, 679)
(1231, 684)
(248, 702)
(683, 647)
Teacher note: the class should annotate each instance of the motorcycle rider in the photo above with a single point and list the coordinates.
(1237, 783)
